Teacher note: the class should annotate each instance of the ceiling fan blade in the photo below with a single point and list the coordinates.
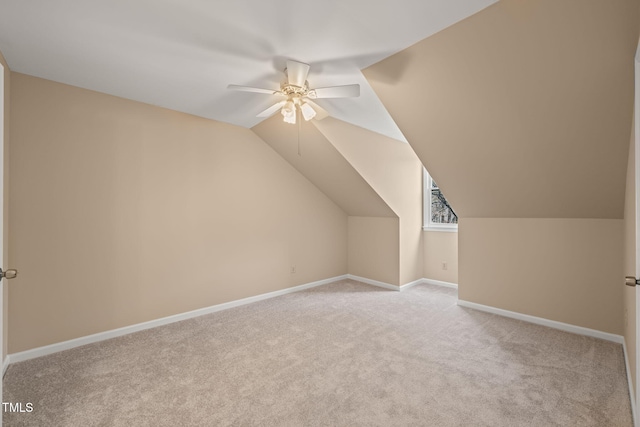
(346, 91)
(321, 113)
(269, 111)
(253, 89)
(297, 72)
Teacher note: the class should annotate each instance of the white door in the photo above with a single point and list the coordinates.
(2, 71)
(9, 274)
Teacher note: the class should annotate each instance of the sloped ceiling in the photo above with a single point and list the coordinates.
(524, 109)
(317, 159)
(182, 54)
(389, 166)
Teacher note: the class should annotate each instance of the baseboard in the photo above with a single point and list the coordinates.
(402, 287)
(567, 328)
(630, 383)
(440, 283)
(545, 322)
(89, 339)
(411, 284)
(373, 282)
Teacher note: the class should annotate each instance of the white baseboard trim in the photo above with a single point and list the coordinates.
(544, 322)
(440, 283)
(5, 365)
(411, 284)
(402, 287)
(101, 336)
(630, 383)
(373, 282)
(619, 339)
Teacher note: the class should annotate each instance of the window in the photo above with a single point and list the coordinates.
(438, 213)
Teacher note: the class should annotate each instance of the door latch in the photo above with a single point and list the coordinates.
(8, 274)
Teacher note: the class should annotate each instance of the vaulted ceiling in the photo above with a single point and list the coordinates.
(520, 109)
(182, 54)
(313, 155)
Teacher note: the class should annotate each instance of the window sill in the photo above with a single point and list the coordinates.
(441, 229)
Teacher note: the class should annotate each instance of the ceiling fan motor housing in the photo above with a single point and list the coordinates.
(295, 91)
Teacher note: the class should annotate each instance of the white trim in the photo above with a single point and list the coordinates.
(636, 136)
(544, 322)
(440, 283)
(630, 383)
(411, 284)
(101, 336)
(5, 365)
(89, 339)
(403, 287)
(440, 229)
(425, 281)
(373, 282)
(567, 328)
(427, 224)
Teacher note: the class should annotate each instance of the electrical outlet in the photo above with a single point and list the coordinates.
(293, 269)
(444, 265)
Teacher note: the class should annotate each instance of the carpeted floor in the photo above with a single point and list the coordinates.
(344, 354)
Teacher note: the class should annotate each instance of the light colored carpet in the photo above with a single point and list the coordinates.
(344, 354)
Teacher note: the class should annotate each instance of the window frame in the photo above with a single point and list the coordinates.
(427, 224)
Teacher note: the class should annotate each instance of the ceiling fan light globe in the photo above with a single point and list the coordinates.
(288, 109)
(290, 118)
(307, 111)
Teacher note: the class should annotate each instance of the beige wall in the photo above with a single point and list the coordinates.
(123, 213)
(394, 171)
(521, 87)
(513, 111)
(567, 270)
(629, 294)
(317, 159)
(5, 224)
(439, 247)
(374, 228)
(374, 248)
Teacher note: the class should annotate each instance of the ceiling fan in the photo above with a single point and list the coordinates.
(298, 95)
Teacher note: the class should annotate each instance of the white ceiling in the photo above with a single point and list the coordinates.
(182, 54)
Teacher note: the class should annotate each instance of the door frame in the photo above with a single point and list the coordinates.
(3, 70)
(636, 120)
